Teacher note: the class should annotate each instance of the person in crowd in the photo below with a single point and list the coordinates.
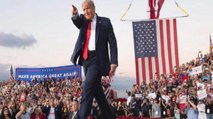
(145, 108)
(96, 112)
(170, 109)
(12, 107)
(185, 77)
(201, 109)
(163, 106)
(136, 89)
(135, 106)
(37, 114)
(156, 111)
(169, 83)
(6, 114)
(191, 109)
(129, 98)
(151, 87)
(209, 108)
(120, 110)
(126, 110)
(52, 109)
(24, 112)
(211, 92)
(65, 108)
(165, 95)
(1, 106)
(74, 109)
(176, 112)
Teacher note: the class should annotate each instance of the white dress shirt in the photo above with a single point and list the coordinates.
(91, 46)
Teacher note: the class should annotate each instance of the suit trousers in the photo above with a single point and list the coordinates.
(92, 88)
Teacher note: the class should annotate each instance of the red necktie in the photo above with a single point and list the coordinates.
(85, 52)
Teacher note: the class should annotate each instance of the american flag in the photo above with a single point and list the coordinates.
(155, 6)
(11, 74)
(156, 48)
(210, 44)
(107, 87)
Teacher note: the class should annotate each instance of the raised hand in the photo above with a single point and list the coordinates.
(74, 10)
(22, 107)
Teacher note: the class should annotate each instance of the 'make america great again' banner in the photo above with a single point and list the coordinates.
(27, 74)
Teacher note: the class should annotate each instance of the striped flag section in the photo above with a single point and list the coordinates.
(107, 87)
(156, 48)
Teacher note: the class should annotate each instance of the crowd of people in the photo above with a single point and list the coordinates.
(45, 98)
(185, 94)
(52, 99)
(181, 95)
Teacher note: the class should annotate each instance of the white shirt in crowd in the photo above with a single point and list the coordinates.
(165, 97)
(129, 99)
(201, 111)
(201, 85)
(51, 113)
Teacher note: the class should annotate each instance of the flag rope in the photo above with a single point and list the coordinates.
(183, 10)
(122, 17)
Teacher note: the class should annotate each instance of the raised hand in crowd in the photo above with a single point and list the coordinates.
(21, 110)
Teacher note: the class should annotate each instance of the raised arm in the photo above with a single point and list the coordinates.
(76, 18)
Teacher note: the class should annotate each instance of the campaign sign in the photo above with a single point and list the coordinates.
(201, 94)
(197, 70)
(27, 74)
(183, 99)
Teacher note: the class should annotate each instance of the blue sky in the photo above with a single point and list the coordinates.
(39, 33)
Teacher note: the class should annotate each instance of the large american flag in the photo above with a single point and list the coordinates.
(156, 48)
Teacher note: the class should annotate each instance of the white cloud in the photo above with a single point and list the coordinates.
(12, 41)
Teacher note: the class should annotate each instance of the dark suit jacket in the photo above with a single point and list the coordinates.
(71, 114)
(104, 36)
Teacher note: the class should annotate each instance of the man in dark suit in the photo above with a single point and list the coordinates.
(74, 109)
(95, 39)
(53, 109)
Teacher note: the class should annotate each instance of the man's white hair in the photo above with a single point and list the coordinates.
(90, 2)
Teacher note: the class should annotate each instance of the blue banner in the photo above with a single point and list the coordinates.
(27, 74)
